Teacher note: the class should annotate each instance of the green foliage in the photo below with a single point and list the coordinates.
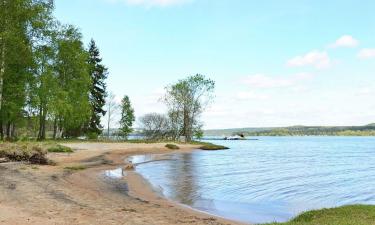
(73, 108)
(172, 147)
(186, 101)
(127, 117)
(60, 149)
(92, 135)
(348, 215)
(20, 22)
(75, 168)
(368, 130)
(47, 78)
(198, 134)
(212, 147)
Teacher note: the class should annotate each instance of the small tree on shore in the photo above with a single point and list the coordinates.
(186, 101)
(112, 108)
(127, 117)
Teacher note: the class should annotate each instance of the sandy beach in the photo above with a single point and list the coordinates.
(32, 194)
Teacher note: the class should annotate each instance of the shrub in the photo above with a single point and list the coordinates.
(92, 136)
(60, 149)
(26, 152)
(172, 146)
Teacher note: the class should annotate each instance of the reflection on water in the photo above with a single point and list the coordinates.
(272, 179)
(115, 174)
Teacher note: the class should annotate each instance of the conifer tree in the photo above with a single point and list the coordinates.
(98, 92)
(127, 116)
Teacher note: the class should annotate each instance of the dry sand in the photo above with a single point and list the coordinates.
(53, 195)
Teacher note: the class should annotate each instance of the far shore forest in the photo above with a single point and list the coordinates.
(367, 130)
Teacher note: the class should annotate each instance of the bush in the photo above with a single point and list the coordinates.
(92, 136)
(60, 149)
(172, 146)
(26, 152)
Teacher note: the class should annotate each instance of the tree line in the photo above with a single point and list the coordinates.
(53, 86)
(49, 81)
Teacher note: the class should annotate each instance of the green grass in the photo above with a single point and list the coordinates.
(346, 215)
(60, 149)
(212, 147)
(172, 146)
(76, 168)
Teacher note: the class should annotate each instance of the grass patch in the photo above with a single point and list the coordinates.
(76, 168)
(346, 215)
(26, 152)
(172, 146)
(212, 147)
(60, 149)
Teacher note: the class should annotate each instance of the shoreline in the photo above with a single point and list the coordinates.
(32, 194)
(140, 187)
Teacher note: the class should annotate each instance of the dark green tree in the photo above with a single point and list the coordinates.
(127, 116)
(98, 92)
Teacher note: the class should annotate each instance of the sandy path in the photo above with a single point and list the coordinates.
(53, 195)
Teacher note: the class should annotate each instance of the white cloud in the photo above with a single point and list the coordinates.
(346, 41)
(318, 59)
(367, 53)
(264, 81)
(150, 3)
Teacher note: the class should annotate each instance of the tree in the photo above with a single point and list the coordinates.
(156, 126)
(186, 101)
(98, 73)
(72, 108)
(22, 25)
(111, 107)
(127, 117)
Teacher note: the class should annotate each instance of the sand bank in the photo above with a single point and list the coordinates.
(55, 195)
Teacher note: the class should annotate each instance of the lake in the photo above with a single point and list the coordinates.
(270, 179)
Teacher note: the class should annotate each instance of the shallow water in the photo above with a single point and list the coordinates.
(271, 179)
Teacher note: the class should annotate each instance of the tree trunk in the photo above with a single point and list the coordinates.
(8, 130)
(1, 130)
(2, 72)
(13, 131)
(42, 124)
(54, 128)
(109, 121)
(186, 127)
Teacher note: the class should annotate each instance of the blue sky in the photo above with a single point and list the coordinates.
(275, 63)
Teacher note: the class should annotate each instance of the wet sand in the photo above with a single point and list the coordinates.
(53, 195)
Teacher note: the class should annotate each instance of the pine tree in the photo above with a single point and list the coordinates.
(127, 116)
(98, 93)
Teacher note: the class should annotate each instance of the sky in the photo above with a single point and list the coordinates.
(275, 63)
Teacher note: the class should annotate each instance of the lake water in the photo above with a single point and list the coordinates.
(271, 179)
